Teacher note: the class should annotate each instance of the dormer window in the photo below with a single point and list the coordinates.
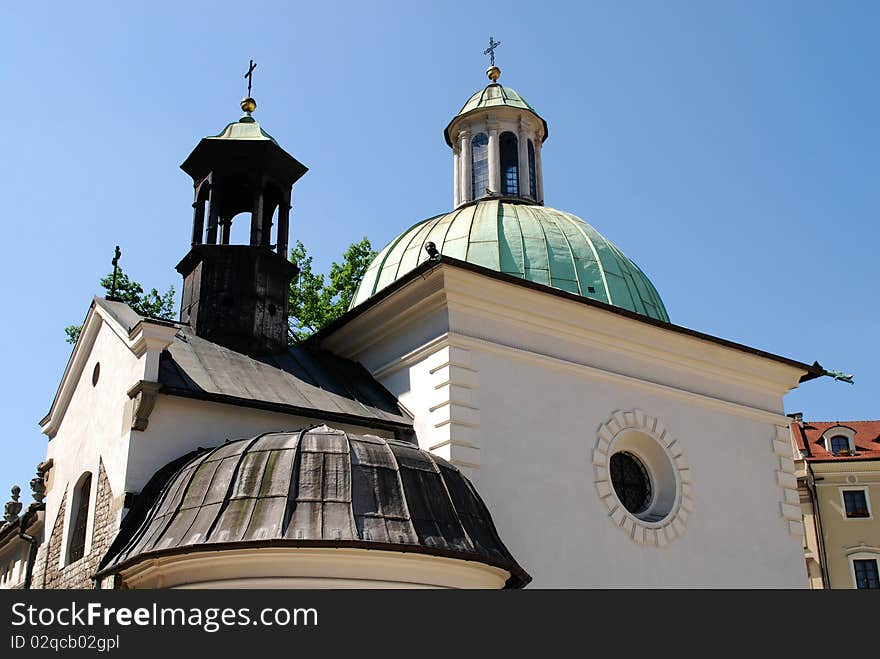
(839, 440)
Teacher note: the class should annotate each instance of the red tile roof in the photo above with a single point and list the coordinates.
(808, 437)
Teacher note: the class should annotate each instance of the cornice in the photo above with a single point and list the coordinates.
(462, 292)
(619, 343)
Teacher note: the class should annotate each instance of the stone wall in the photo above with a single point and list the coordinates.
(78, 574)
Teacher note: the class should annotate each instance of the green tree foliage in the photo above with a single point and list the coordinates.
(152, 303)
(317, 299)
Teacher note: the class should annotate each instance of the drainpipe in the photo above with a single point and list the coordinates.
(32, 552)
(817, 524)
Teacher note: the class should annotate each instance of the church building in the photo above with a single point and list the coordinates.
(505, 403)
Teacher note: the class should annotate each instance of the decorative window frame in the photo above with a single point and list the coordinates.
(861, 553)
(852, 488)
(664, 531)
(842, 431)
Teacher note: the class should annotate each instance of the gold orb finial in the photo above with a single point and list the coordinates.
(248, 104)
(494, 73)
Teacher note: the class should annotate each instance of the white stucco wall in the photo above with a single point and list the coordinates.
(536, 476)
(515, 390)
(535, 428)
(93, 426)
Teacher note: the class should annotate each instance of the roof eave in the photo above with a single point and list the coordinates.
(294, 410)
(810, 371)
(470, 112)
(849, 458)
(519, 578)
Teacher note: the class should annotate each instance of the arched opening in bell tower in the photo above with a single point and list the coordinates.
(479, 165)
(509, 165)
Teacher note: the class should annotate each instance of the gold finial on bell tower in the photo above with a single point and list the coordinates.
(494, 73)
(248, 104)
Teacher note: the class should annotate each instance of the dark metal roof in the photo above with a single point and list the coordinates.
(303, 380)
(315, 487)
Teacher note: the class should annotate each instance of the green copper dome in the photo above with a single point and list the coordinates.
(537, 243)
(245, 128)
(494, 95)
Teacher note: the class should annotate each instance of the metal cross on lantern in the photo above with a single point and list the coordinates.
(490, 51)
(250, 76)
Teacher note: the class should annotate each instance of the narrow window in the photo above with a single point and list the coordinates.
(509, 165)
(856, 503)
(533, 187)
(866, 574)
(79, 520)
(839, 443)
(479, 164)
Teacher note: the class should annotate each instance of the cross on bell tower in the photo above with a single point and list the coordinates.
(237, 295)
(493, 71)
(490, 51)
(250, 75)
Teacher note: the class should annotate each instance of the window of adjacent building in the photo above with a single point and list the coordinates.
(480, 164)
(866, 574)
(509, 165)
(80, 519)
(839, 443)
(533, 187)
(855, 502)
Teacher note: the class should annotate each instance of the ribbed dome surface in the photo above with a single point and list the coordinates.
(495, 95)
(316, 487)
(536, 243)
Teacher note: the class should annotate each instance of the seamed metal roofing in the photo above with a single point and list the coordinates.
(535, 243)
(317, 487)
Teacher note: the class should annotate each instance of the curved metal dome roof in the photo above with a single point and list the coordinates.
(494, 95)
(536, 243)
(315, 487)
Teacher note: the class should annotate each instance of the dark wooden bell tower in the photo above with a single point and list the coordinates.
(237, 295)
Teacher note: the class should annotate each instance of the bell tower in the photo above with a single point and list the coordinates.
(237, 295)
(496, 140)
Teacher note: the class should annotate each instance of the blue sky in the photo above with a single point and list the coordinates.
(729, 148)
